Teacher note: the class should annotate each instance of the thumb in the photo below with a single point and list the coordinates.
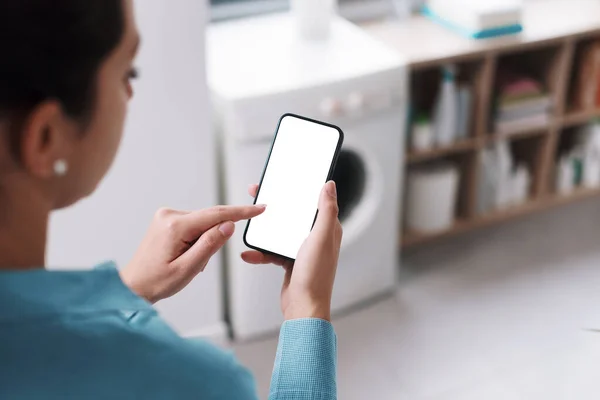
(328, 209)
(207, 245)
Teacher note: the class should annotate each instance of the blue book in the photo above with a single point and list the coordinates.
(486, 33)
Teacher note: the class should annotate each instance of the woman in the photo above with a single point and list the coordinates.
(65, 80)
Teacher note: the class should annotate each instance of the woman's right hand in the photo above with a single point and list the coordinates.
(308, 283)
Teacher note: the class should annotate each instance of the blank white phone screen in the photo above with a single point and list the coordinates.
(297, 170)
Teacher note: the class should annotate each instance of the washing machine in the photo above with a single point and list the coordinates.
(259, 69)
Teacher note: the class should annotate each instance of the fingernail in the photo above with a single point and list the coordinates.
(227, 229)
(331, 189)
(261, 206)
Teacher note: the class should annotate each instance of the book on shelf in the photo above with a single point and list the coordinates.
(521, 124)
(523, 108)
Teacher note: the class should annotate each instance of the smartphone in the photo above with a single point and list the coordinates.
(302, 159)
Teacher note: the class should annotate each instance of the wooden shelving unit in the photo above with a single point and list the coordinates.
(549, 47)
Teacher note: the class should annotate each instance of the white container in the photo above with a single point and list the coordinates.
(565, 176)
(504, 185)
(521, 181)
(314, 17)
(431, 198)
(446, 108)
(487, 182)
(422, 136)
(591, 171)
(504, 190)
(590, 143)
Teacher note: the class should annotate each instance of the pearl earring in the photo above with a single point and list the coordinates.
(61, 167)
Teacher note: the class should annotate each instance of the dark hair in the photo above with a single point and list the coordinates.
(52, 49)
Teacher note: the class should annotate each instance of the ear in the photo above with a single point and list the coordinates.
(45, 139)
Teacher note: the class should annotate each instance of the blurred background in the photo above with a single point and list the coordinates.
(468, 183)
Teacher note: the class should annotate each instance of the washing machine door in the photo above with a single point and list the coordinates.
(360, 185)
(350, 176)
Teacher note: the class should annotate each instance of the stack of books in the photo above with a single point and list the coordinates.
(522, 103)
(477, 19)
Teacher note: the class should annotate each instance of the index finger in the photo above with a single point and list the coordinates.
(198, 222)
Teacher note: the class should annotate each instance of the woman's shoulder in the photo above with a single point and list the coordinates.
(180, 366)
(116, 355)
(83, 335)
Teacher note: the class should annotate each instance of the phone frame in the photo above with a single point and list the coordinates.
(329, 174)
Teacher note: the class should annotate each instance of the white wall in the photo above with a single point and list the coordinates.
(166, 159)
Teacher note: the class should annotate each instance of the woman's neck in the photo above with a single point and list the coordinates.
(23, 227)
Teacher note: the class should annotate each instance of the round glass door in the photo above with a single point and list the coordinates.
(350, 178)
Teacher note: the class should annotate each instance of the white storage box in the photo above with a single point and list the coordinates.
(431, 197)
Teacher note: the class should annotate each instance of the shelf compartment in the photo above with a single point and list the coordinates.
(425, 86)
(530, 151)
(517, 73)
(466, 165)
(567, 141)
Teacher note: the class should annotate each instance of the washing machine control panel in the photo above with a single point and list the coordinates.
(331, 107)
(360, 98)
(357, 103)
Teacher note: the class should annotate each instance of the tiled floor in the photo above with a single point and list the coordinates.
(504, 313)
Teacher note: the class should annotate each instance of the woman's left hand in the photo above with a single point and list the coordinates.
(178, 247)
